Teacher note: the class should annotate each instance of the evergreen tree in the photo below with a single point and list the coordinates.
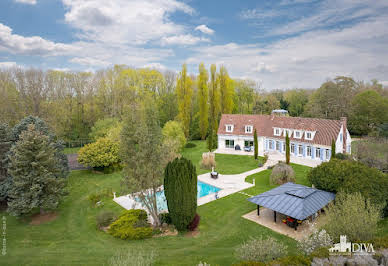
(287, 149)
(203, 94)
(332, 149)
(256, 143)
(180, 188)
(5, 146)
(184, 92)
(34, 170)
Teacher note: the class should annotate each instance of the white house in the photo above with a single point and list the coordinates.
(309, 137)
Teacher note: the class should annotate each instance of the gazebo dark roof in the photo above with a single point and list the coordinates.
(296, 201)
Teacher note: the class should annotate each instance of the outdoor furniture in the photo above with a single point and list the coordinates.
(237, 148)
(248, 148)
(214, 175)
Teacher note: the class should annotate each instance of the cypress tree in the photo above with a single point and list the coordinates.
(332, 149)
(34, 170)
(287, 149)
(180, 188)
(256, 144)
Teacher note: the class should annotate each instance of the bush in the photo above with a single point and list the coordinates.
(173, 130)
(350, 177)
(341, 156)
(282, 173)
(180, 188)
(379, 242)
(261, 250)
(194, 223)
(105, 218)
(320, 252)
(208, 160)
(316, 240)
(101, 154)
(352, 215)
(265, 158)
(292, 261)
(165, 218)
(190, 145)
(132, 224)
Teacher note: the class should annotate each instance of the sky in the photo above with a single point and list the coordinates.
(280, 44)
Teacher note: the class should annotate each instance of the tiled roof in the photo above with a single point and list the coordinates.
(296, 201)
(326, 130)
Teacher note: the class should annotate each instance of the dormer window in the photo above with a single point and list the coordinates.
(229, 128)
(309, 135)
(285, 131)
(277, 131)
(297, 134)
(248, 129)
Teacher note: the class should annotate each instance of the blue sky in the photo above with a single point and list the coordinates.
(280, 44)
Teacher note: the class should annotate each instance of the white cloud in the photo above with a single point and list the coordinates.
(204, 29)
(30, 2)
(124, 21)
(35, 45)
(155, 65)
(7, 64)
(309, 59)
(186, 39)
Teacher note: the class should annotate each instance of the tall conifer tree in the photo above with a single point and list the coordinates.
(184, 92)
(203, 95)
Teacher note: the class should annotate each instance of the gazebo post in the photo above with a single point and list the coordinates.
(258, 210)
(274, 216)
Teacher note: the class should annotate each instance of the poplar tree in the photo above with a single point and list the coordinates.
(214, 107)
(180, 188)
(203, 94)
(184, 92)
(287, 149)
(226, 91)
(256, 143)
(34, 170)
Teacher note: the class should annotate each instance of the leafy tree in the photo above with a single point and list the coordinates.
(211, 140)
(368, 112)
(352, 215)
(287, 148)
(102, 127)
(297, 100)
(34, 169)
(245, 95)
(203, 95)
(332, 149)
(271, 103)
(144, 155)
(173, 131)
(184, 98)
(5, 146)
(100, 154)
(256, 143)
(214, 104)
(350, 177)
(180, 188)
(226, 91)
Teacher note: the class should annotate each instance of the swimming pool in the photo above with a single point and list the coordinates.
(203, 189)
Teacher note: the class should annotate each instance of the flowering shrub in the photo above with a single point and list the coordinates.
(316, 240)
(261, 250)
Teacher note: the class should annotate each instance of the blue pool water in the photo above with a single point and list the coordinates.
(203, 189)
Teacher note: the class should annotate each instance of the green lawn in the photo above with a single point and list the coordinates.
(71, 150)
(225, 163)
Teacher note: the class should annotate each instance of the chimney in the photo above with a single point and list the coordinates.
(344, 134)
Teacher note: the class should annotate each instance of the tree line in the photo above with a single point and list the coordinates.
(72, 102)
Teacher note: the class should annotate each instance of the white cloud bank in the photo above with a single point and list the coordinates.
(204, 29)
(30, 2)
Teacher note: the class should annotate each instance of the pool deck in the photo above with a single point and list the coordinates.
(228, 184)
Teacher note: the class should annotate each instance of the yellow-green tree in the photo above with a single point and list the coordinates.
(184, 92)
(226, 91)
(214, 105)
(203, 95)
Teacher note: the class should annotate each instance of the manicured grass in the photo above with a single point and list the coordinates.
(71, 150)
(225, 163)
(73, 238)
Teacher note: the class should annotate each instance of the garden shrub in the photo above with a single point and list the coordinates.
(165, 218)
(320, 252)
(101, 154)
(350, 177)
(105, 218)
(194, 223)
(352, 215)
(297, 260)
(282, 173)
(261, 250)
(208, 160)
(99, 195)
(180, 188)
(190, 145)
(379, 242)
(319, 238)
(132, 224)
